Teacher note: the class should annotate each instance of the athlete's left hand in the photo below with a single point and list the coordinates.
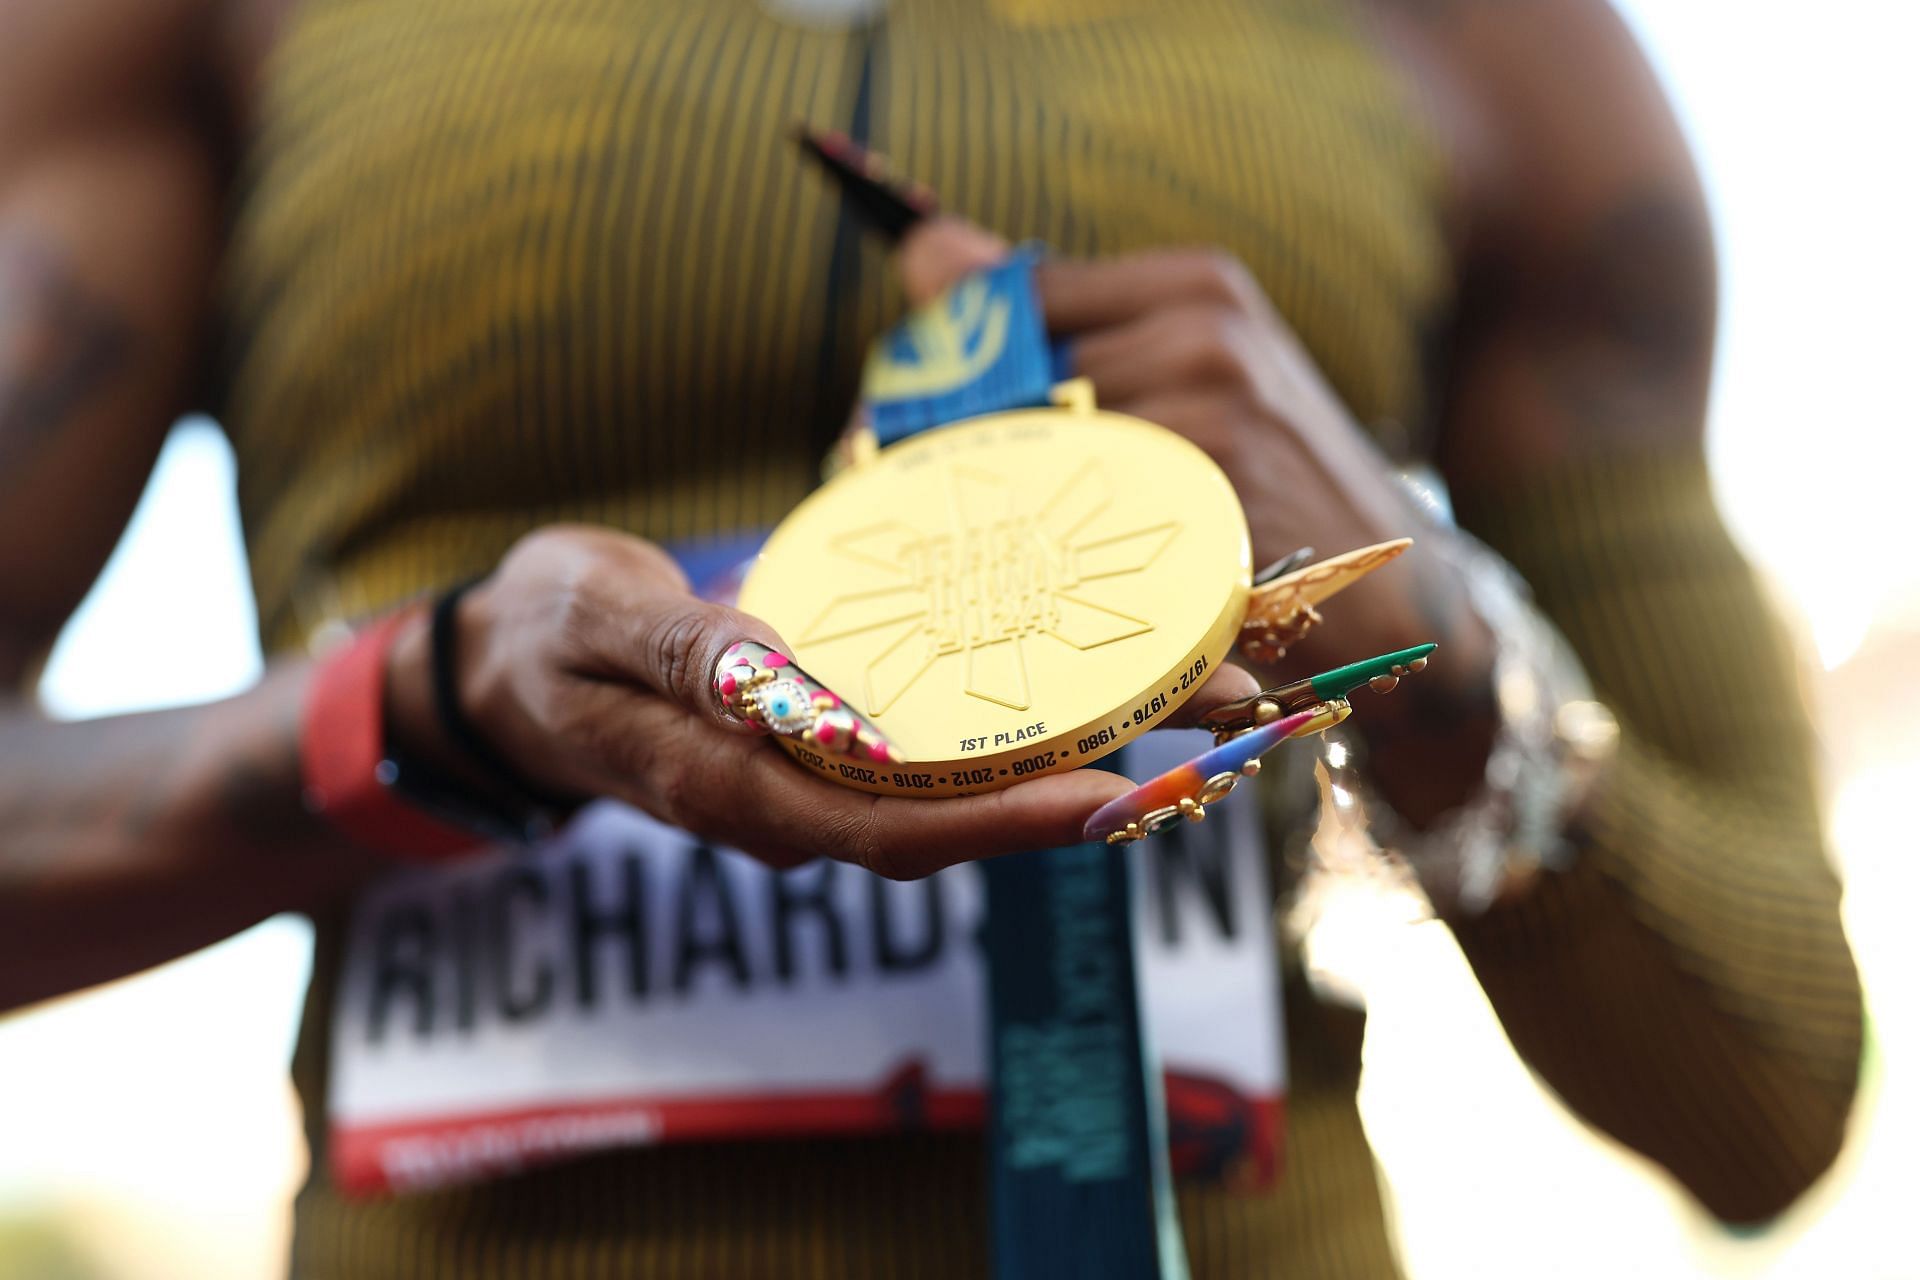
(1187, 339)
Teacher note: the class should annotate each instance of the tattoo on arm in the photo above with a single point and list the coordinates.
(58, 346)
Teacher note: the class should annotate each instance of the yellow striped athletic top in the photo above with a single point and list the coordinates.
(503, 262)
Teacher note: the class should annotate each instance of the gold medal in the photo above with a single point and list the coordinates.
(1010, 596)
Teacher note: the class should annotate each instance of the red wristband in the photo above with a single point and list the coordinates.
(344, 764)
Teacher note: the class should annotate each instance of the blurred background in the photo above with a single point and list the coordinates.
(1805, 123)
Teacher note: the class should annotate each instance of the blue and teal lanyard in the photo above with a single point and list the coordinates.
(1080, 1185)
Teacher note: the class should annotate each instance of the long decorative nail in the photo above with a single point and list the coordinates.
(1281, 609)
(1184, 791)
(1381, 674)
(1297, 559)
(890, 204)
(765, 688)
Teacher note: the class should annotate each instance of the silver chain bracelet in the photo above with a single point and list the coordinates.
(1552, 743)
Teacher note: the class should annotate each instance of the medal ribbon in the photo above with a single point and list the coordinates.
(1080, 1185)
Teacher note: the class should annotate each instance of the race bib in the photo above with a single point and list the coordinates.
(626, 984)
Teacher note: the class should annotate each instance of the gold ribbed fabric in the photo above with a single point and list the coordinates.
(1687, 986)
(503, 262)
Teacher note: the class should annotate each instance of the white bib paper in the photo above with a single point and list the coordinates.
(626, 985)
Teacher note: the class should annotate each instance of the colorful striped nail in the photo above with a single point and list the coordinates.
(1184, 791)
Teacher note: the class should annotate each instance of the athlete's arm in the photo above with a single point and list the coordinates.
(118, 838)
(1687, 986)
(130, 840)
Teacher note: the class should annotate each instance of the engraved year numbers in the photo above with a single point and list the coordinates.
(1147, 710)
(1095, 740)
(1033, 764)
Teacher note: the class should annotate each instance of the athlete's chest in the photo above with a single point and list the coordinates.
(618, 175)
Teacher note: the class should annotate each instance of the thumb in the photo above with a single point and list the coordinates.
(940, 252)
(684, 649)
(731, 670)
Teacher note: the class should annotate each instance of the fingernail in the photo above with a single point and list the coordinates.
(892, 205)
(762, 687)
(1383, 672)
(1283, 566)
(1281, 609)
(1184, 791)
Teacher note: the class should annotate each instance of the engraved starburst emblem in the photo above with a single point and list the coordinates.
(968, 598)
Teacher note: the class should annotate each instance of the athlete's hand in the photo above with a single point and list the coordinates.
(1187, 339)
(586, 661)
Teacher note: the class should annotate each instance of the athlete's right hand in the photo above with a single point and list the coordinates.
(587, 662)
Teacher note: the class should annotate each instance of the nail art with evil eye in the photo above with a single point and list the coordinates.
(764, 687)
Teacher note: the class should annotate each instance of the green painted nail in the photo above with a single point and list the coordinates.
(1342, 681)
